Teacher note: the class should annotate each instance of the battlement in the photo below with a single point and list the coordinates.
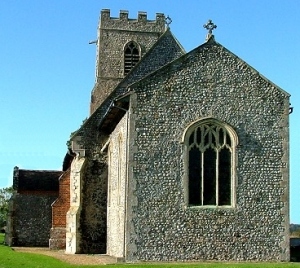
(141, 23)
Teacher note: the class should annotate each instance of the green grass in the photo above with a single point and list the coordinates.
(11, 259)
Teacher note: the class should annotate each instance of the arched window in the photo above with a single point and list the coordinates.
(210, 154)
(131, 56)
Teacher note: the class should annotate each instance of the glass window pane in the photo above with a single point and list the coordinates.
(225, 177)
(209, 188)
(194, 176)
(198, 135)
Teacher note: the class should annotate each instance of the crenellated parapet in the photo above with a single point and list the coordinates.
(141, 23)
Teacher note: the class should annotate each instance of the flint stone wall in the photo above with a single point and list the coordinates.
(31, 220)
(94, 206)
(209, 82)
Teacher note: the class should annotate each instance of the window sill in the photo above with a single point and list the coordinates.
(210, 207)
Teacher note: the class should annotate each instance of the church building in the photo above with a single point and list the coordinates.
(185, 155)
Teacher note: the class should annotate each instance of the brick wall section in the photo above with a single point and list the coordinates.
(208, 82)
(62, 204)
(60, 208)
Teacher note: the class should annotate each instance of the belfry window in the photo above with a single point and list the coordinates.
(210, 164)
(131, 56)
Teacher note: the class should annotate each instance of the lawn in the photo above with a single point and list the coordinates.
(11, 259)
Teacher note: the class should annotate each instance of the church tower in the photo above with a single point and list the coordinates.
(121, 43)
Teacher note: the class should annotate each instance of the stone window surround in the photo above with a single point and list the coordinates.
(185, 140)
(136, 46)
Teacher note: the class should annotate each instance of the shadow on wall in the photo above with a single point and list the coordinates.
(295, 249)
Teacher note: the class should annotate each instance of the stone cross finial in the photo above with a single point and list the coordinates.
(210, 26)
(168, 21)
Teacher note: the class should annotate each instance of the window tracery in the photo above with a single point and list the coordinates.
(131, 56)
(210, 157)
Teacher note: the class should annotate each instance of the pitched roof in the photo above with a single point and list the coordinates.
(36, 180)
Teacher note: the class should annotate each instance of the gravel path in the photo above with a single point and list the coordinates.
(87, 259)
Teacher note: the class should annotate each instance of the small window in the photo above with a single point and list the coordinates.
(210, 154)
(131, 56)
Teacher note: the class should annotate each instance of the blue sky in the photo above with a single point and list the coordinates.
(47, 67)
